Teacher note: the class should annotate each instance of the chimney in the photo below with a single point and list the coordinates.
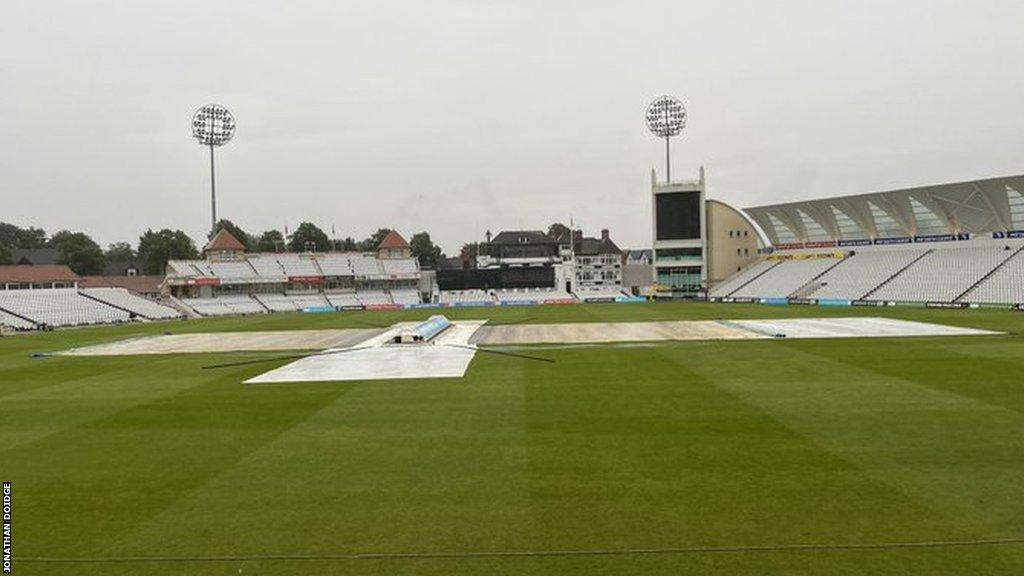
(577, 235)
(604, 234)
(488, 236)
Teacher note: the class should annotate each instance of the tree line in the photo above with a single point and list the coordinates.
(155, 247)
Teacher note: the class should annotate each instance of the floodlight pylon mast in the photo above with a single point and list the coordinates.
(668, 161)
(213, 194)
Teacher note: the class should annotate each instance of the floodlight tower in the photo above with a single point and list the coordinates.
(213, 126)
(666, 117)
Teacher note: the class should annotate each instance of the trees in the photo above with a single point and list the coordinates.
(156, 248)
(246, 240)
(468, 254)
(370, 244)
(120, 252)
(5, 254)
(308, 236)
(15, 237)
(79, 252)
(349, 244)
(557, 230)
(424, 250)
(270, 241)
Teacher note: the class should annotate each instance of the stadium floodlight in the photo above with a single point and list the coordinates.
(666, 117)
(213, 126)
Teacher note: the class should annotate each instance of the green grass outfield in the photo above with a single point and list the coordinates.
(654, 447)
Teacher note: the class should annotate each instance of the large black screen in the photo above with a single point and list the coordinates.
(678, 216)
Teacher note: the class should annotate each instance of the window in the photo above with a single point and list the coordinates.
(782, 232)
(848, 228)
(746, 251)
(927, 221)
(885, 224)
(730, 233)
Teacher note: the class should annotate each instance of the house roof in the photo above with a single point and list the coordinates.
(595, 246)
(223, 240)
(39, 273)
(638, 254)
(522, 237)
(393, 240)
(142, 284)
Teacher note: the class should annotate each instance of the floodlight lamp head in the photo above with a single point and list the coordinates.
(666, 117)
(213, 125)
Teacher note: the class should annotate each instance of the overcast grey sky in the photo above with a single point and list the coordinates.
(458, 116)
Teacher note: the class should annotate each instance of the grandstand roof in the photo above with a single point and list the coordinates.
(223, 240)
(393, 240)
(974, 207)
(40, 273)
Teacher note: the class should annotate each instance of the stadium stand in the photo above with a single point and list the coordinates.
(267, 267)
(403, 266)
(405, 296)
(8, 319)
(786, 278)
(464, 297)
(125, 300)
(240, 270)
(224, 305)
(365, 266)
(303, 301)
(530, 295)
(343, 299)
(373, 297)
(862, 273)
(599, 292)
(743, 278)
(334, 264)
(59, 307)
(942, 275)
(1005, 285)
(294, 265)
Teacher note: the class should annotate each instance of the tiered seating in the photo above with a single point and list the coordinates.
(861, 273)
(533, 295)
(181, 268)
(373, 297)
(303, 301)
(277, 302)
(267, 267)
(334, 264)
(1005, 286)
(295, 266)
(343, 299)
(365, 266)
(15, 322)
(784, 279)
(943, 275)
(585, 292)
(404, 266)
(201, 268)
(124, 299)
(233, 270)
(463, 296)
(732, 284)
(224, 305)
(405, 296)
(59, 307)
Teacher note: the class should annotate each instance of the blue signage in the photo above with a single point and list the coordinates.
(845, 243)
(896, 240)
(1008, 234)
